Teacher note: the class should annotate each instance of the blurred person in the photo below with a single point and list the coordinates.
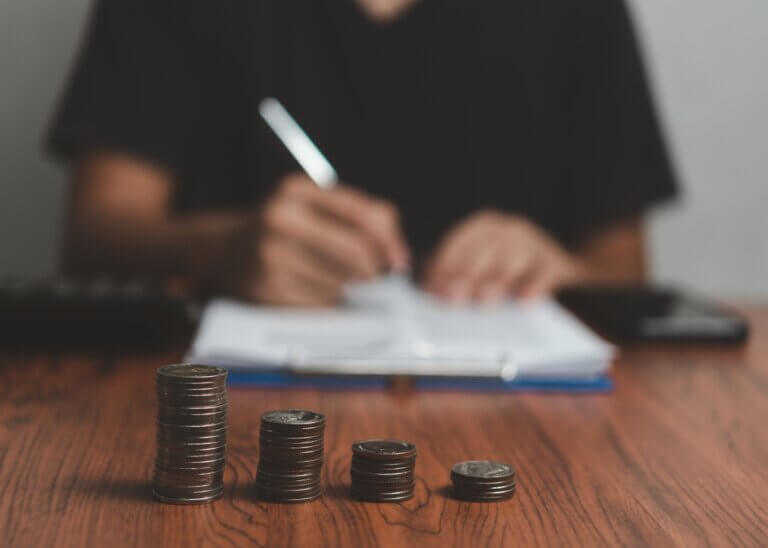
(507, 147)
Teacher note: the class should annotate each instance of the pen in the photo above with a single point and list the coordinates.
(298, 143)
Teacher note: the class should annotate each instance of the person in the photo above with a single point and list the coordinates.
(494, 147)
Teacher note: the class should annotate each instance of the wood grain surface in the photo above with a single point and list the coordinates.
(676, 456)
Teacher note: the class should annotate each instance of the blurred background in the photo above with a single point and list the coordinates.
(706, 60)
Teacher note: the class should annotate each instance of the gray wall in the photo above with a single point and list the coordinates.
(38, 39)
(711, 72)
(708, 66)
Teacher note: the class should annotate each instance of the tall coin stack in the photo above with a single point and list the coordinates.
(191, 433)
(382, 470)
(483, 481)
(291, 445)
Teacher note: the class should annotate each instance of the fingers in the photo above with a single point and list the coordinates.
(377, 219)
(290, 259)
(288, 290)
(311, 241)
(288, 275)
(505, 276)
(335, 242)
(460, 251)
(490, 256)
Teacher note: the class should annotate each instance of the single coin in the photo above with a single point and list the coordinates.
(192, 434)
(173, 461)
(481, 491)
(192, 445)
(283, 433)
(382, 491)
(278, 462)
(179, 380)
(190, 402)
(192, 420)
(385, 487)
(272, 440)
(175, 452)
(355, 473)
(193, 387)
(293, 418)
(381, 479)
(485, 498)
(287, 483)
(277, 442)
(184, 491)
(287, 490)
(384, 449)
(203, 417)
(288, 475)
(292, 454)
(179, 479)
(484, 487)
(383, 466)
(188, 500)
(173, 469)
(191, 371)
(484, 491)
(191, 406)
(185, 400)
(200, 481)
(188, 484)
(482, 470)
(474, 481)
(287, 486)
(181, 392)
(200, 474)
(270, 497)
(194, 429)
(291, 434)
(377, 497)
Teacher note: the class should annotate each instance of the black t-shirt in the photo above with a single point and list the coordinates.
(537, 107)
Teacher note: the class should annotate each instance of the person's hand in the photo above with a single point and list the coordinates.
(491, 255)
(308, 242)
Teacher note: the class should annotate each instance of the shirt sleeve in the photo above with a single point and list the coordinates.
(130, 90)
(618, 165)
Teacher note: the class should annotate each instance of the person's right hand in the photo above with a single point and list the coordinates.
(309, 242)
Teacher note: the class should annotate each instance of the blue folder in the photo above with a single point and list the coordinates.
(283, 379)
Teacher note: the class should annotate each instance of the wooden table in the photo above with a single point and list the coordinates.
(677, 455)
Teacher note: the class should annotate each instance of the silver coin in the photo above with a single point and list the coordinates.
(482, 470)
(293, 418)
(384, 449)
(189, 500)
(194, 371)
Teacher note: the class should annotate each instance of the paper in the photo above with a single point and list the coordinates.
(389, 327)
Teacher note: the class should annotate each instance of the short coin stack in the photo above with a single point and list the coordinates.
(191, 433)
(483, 481)
(382, 470)
(291, 445)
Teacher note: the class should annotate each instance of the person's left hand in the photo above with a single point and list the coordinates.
(491, 255)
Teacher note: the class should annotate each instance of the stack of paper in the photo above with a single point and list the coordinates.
(389, 327)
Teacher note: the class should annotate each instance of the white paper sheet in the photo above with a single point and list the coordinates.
(389, 327)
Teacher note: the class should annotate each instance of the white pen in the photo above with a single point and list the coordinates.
(298, 143)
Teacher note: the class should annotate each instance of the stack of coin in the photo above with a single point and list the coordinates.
(483, 480)
(290, 456)
(382, 470)
(191, 433)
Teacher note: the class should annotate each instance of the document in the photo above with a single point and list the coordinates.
(389, 327)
